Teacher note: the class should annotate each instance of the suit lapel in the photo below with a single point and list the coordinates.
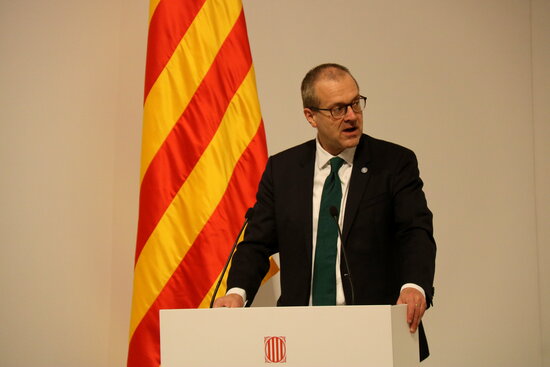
(358, 184)
(306, 164)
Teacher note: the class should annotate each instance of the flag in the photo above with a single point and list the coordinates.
(203, 152)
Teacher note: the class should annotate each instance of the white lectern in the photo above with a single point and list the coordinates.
(331, 336)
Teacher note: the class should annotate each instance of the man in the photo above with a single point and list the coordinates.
(386, 253)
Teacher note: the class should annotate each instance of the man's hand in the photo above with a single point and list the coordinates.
(231, 300)
(416, 305)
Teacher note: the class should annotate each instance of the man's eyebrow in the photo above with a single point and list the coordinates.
(354, 99)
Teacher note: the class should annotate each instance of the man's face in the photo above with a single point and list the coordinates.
(335, 135)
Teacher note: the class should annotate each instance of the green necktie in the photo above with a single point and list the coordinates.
(324, 271)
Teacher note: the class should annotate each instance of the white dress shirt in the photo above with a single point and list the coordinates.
(322, 170)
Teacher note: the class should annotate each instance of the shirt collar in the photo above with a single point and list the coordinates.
(322, 156)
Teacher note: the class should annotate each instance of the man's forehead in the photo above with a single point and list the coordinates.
(336, 90)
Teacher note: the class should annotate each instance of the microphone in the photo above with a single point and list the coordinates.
(247, 217)
(334, 214)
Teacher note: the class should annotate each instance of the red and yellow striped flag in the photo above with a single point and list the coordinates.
(203, 152)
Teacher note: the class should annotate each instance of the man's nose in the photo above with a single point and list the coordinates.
(350, 114)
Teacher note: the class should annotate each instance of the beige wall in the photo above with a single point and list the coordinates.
(541, 113)
(465, 84)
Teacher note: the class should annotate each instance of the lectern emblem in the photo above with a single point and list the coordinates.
(275, 349)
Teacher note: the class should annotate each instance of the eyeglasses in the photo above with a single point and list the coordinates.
(340, 110)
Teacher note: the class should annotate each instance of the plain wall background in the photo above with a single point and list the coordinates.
(464, 84)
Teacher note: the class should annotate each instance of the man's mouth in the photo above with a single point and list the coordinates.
(350, 129)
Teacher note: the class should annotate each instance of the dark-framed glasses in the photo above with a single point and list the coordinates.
(340, 110)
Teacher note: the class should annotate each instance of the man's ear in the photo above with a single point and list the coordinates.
(310, 117)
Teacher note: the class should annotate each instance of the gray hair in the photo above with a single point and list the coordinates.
(328, 71)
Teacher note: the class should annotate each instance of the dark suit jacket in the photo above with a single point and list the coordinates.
(387, 231)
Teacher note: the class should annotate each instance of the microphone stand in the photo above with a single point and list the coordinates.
(247, 217)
